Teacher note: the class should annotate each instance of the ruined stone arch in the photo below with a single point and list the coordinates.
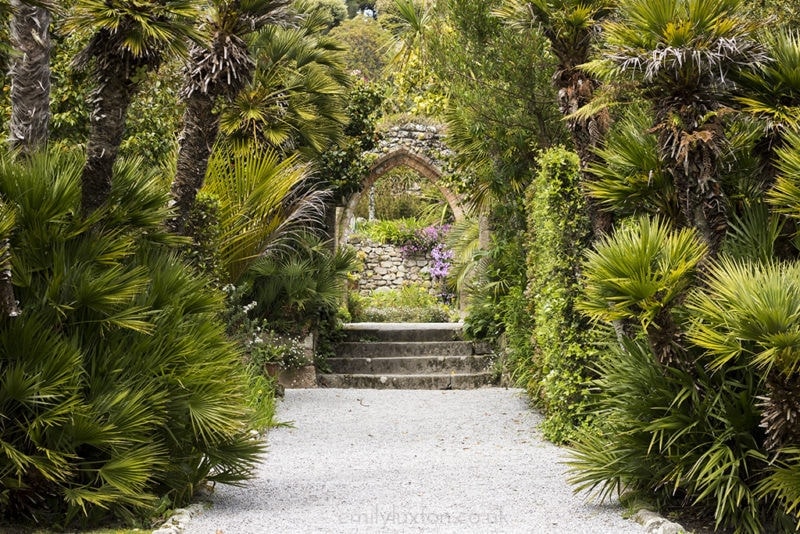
(417, 147)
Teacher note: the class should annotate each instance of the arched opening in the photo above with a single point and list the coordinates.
(397, 158)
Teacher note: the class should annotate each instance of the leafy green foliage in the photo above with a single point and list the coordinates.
(677, 436)
(410, 304)
(295, 101)
(564, 345)
(366, 44)
(639, 271)
(262, 200)
(294, 288)
(390, 231)
(631, 178)
(344, 166)
(119, 384)
(749, 310)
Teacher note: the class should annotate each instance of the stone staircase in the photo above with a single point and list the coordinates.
(408, 356)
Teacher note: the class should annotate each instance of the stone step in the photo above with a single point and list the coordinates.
(394, 349)
(398, 381)
(410, 364)
(403, 331)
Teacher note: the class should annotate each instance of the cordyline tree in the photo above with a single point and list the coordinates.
(218, 69)
(130, 38)
(571, 26)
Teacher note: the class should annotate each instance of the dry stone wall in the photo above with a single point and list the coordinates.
(386, 268)
(423, 139)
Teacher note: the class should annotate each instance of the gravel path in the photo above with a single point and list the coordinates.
(359, 461)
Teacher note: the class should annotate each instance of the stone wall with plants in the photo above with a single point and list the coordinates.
(386, 266)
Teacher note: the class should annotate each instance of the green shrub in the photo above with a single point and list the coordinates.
(394, 232)
(697, 404)
(565, 346)
(119, 389)
(678, 436)
(297, 289)
(411, 303)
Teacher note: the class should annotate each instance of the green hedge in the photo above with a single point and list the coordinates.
(563, 343)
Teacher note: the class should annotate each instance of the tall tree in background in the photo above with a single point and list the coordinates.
(219, 69)
(571, 26)
(682, 54)
(130, 38)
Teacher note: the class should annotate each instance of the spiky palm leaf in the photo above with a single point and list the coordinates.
(753, 235)
(638, 275)
(748, 314)
(772, 92)
(262, 201)
(676, 436)
(463, 239)
(784, 197)
(631, 177)
(639, 271)
(296, 98)
(782, 483)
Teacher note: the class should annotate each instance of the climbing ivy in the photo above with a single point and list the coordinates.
(563, 344)
(344, 166)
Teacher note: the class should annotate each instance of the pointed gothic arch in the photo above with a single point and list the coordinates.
(400, 157)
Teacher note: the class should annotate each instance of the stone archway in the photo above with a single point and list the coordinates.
(418, 147)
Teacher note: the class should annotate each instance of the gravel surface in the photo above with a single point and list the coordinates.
(359, 461)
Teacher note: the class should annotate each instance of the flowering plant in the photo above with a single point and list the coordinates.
(424, 241)
(441, 256)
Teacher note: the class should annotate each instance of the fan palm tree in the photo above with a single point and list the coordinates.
(571, 26)
(130, 38)
(219, 69)
(681, 54)
(748, 313)
(640, 274)
(296, 99)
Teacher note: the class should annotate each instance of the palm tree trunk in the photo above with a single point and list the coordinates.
(30, 109)
(781, 410)
(111, 101)
(701, 200)
(200, 128)
(575, 90)
(30, 77)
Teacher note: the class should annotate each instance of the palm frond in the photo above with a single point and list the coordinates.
(260, 198)
(631, 178)
(753, 234)
(639, 270)
(749, 310)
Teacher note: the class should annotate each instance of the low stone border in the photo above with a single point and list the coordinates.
(655, 524)
(180, 518)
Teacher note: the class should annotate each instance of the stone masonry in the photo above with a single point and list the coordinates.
(385, 267)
